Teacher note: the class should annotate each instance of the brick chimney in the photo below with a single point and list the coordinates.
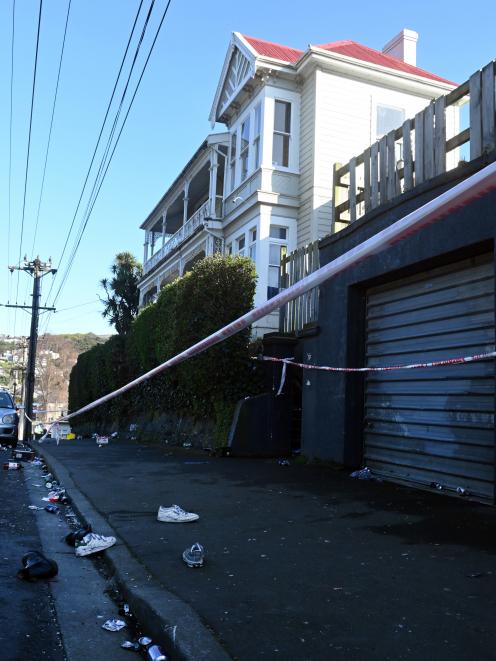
(403, 47)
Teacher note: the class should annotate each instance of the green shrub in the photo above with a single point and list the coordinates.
(216, 291)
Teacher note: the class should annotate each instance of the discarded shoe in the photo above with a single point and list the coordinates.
(175, 514)
(194, 556)
(36, 566)
(77, 535)
(93, 543)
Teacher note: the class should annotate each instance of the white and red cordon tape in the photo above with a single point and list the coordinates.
(472, 188)
(385, 368)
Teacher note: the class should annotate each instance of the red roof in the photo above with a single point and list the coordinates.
(276, 51)
(348, 48)
(360, 52)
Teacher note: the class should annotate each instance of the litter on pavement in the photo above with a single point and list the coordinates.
(363, 474)
(76, 535)
(93, 543)
(154, 653)
(175, 514)
(53, 509)
(35, 507)
(194, 556)
(36, 566)
(128, 645)
(113, 625)
(12, 466)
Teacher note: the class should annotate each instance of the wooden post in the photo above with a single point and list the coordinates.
(439, 136)
(488, 108)
(374, 175)
(407, 155)
(352, 191)
(429, 142)
(475, 115)
(383, 169)
(419, 148)
(336, 196)
(391, 165)
(366, 179)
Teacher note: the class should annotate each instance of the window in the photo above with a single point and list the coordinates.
(276, 252)
(229, 249)
(276, 232)
(252, 248)
(234, 138)
(282, 131)
(257, 129)
(240, 245)
(388, 118)
(243, 151)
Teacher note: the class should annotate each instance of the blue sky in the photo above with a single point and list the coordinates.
(169, 118)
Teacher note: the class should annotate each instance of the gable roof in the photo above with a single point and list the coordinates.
(348, 48)
(366, 54)
(277, 51)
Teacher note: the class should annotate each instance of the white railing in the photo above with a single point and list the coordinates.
(182, 234)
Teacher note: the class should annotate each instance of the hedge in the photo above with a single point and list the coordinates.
(216, 291)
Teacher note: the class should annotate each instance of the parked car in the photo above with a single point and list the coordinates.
(9, 419)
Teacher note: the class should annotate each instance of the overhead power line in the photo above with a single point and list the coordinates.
(76, 246)
(51, 125)
(109, 104)
(29, 139)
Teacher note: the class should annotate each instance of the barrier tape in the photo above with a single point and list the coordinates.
(474, 187)
(385, 368)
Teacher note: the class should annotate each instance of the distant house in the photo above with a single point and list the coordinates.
(264, 186)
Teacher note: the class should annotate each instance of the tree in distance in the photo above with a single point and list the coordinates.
(121, 304)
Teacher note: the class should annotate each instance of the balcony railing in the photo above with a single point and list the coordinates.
(182, 234)
(378, 175)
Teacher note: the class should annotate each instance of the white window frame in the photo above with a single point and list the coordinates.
(252, 244)
(241, 251)
(281, 243)
(244, 152)
(275, 132)
(233, 150)
(256, 141)
(375, 118)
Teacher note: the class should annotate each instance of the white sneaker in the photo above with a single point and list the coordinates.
(93, 543)
(175, 514)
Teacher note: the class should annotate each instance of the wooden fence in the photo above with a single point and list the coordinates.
(304, 309)
(416, 151)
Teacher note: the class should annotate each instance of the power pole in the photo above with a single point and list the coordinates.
(37, 269)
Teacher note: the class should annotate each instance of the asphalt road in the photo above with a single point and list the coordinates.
(28, 624)
(303, 562)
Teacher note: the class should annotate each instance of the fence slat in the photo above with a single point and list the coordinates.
(488, 109)
(407, 155)
(391, 165)
(383, 169)
(366, 179)
(336, 196)
(439, 135)
(352, 190)
(419, 148)
(374, 175)
(475, 115)
(429, 142)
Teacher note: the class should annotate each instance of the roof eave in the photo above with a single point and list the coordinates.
(345, 64)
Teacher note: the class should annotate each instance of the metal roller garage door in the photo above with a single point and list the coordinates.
(433, 425)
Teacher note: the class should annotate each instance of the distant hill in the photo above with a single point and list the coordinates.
(56, 356)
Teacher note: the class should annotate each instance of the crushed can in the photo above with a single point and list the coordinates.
(154, 653)
(12, 466)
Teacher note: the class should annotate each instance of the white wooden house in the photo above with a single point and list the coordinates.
(264, 186)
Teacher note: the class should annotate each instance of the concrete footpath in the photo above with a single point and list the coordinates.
(302, 562)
